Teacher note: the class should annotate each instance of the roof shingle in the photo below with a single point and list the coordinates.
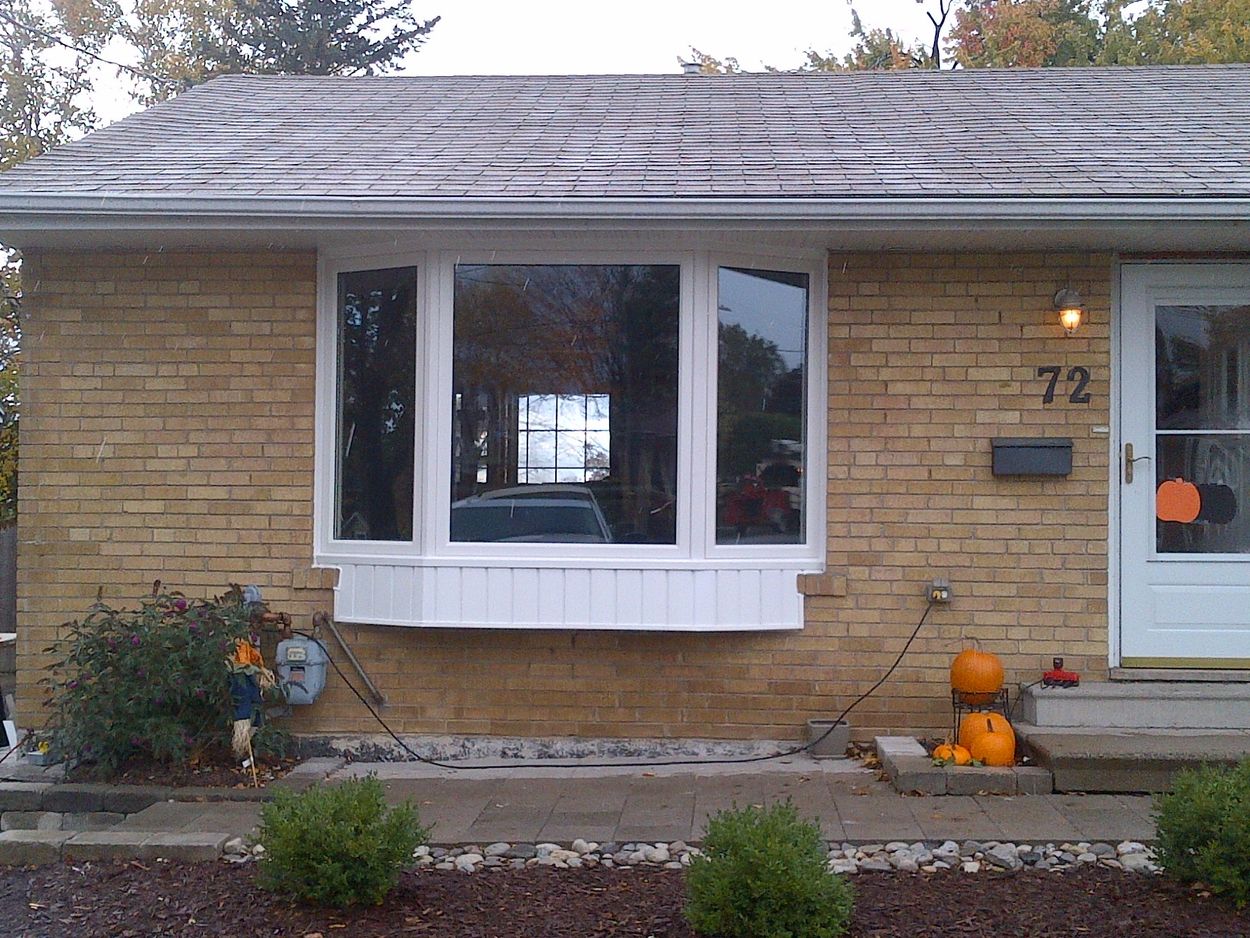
(1178, 131)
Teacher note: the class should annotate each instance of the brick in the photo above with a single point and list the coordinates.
(196, 373)
(22, 796)
(129, 799)
(191, 847)
(91, 821)
(75, 798)
(104, 845)
(978, 779)
(30, 821)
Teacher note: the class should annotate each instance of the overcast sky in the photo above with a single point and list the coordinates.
(501, 37)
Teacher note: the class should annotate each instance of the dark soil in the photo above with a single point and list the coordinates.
(149, 899)
(216, 769)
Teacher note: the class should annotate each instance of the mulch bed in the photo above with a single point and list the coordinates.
(141, 899)
(214, 770)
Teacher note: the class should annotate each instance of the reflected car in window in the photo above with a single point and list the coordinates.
(563, 514)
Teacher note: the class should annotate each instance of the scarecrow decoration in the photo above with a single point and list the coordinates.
(249, 679)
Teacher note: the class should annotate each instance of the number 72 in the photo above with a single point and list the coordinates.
(1077, 373)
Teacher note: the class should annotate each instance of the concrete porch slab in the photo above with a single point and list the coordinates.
(1126, 760)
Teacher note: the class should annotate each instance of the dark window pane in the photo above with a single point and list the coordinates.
(377, 384)
(760, 427)
(1198, 367)
(564, 403)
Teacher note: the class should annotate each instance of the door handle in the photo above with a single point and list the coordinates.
(1129, 459)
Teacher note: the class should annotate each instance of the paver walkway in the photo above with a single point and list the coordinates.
(668, 804)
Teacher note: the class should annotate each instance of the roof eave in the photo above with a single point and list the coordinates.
(42, 212)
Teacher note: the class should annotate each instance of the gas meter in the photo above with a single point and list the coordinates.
(301, 668)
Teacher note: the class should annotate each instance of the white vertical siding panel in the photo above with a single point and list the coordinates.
(448, 596)
(500, 607)
(345, 595)
(654, 598)
(602, 611)
(628, 602)
(474, 604)
(364, 591)
(384, 593)
(525, 596)
(704, 599)
(681, 598)
(551, 595)
(403, 591)
(576, 598)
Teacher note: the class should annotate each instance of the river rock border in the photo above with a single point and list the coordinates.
(971, 856)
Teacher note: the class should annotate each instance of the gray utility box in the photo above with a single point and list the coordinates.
(301, 669)
(1047, 456)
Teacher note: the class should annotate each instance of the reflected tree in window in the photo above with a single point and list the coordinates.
(376, 420)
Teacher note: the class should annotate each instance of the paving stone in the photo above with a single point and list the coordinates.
(189, 847)
(917, 773)
(976, 780)
(19, 848)
(167, 815)
(104, 845)
(30, 821)
(22, 796)
(1034, 780)
(130, 799)
(74, 798)
(91, 821)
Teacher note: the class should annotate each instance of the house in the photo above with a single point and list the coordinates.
(651, 406)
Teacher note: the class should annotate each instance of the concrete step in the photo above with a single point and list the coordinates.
(1102, 759)
(1139, 705)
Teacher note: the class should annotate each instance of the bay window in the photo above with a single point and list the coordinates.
(572, 442)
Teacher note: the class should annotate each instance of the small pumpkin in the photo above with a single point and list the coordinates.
(1177, 500)
(995, 747)
(976, 676)
(974, 724)
(955, 754)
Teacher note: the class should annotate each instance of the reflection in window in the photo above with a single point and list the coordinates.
(761, 381)
(377, 315)
(564, 403)
(1201, 357)
(563, 438)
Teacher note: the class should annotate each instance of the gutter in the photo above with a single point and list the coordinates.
(78, 212)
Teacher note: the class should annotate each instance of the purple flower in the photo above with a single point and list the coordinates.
(199, 692)
(135, 640)
(180, 605)
(72, 685)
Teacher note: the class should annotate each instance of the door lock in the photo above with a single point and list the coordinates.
(1129, 459)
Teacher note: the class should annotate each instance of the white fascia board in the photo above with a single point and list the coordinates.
(77, 212)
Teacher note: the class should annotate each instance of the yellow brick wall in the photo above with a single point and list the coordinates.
(167, 433)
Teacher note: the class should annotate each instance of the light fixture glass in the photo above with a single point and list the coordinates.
(1071, 309)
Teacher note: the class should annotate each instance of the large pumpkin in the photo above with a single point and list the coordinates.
(976, 676)
(1177, 500)
(995, 747)
(974, 724)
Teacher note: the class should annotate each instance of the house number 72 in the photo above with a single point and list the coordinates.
(1078, 375)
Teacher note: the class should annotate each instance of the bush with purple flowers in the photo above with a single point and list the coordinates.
(147, 684)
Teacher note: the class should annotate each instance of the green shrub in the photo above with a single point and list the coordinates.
(763, 874)
(1204, 829)
(337, 845)
(148, 683)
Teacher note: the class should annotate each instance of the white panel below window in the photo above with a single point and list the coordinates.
(678, 600)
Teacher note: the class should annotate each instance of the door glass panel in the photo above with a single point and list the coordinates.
(1203, 481)
(1203, 478)
(1202, 354)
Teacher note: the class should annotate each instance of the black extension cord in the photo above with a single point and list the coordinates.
(612, 765)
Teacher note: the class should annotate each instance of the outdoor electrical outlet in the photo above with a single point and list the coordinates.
(940, 590)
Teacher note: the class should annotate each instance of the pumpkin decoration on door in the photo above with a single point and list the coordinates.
(995, 747)
(974, 725)
(1177, 500)
(976, 676)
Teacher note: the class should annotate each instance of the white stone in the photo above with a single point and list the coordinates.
(467, 861)
(971, 866)
(1126, 847)
(498, 849)
(1087, 857)
(422, 851)
(657, 854)
(545, 850)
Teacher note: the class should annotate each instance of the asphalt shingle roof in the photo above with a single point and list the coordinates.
(1013, 134)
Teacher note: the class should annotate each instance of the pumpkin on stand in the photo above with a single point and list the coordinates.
(976, 676)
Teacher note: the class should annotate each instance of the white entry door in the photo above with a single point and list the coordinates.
(1185, 466)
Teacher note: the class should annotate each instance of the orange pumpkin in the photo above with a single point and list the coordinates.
(995, 747)
(1177, 500)
(977, 676)
(952, 754)
(975, 724)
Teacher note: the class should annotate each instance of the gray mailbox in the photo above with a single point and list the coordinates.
(1044, 456)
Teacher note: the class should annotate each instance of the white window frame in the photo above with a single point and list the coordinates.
(695, 548)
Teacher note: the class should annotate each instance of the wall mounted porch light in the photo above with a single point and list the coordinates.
(1071, 309)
